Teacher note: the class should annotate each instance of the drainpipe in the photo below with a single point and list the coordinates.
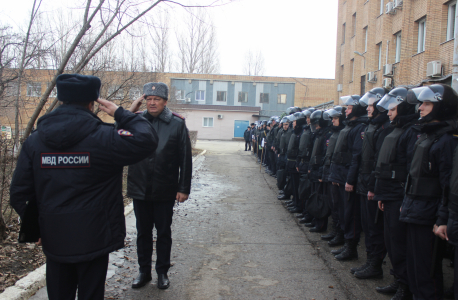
(455, 55)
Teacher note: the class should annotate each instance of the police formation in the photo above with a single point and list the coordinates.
(386, 164)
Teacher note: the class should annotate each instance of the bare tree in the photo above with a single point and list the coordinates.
(159, 34)
(197, 49)
(254, 64)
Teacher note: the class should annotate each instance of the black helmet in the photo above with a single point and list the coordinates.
(444, 98)
(299, 115)
(290, 110)
(269, 123)
(337, 111)
(264, 122)
(317, 117)
(357, 110)
(285, 120)
(372, 97)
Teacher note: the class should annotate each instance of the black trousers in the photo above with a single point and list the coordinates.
(152, 214)
(295, 177)
(321, 188)
(272, 161)
(420, 244)
(335, 196)
(374, 236)
(395, 239)
(352, 215)
(247, 145)
(62, 279)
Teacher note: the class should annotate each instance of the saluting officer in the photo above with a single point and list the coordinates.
(428, 181)
(70, 170)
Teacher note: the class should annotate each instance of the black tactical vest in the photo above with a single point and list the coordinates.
(284, 140)
(317, 152)
(368, 150)
(342, 155)
(293, 149)
(304, 143)
(421, 182)
(386, 168)
(453, 196)
(331, 147)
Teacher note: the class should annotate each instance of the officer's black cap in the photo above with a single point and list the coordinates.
(76, 88)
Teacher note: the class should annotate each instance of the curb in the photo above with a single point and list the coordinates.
(27, 286)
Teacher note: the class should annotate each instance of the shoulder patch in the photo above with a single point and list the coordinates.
(123, 132)
(177, 115)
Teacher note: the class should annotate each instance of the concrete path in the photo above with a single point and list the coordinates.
(234, 240)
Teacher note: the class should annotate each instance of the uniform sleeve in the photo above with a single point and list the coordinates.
(356, 156)
(22, 188)
(184, 183)
(130, 149)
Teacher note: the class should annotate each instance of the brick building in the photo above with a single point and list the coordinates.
(392, 43)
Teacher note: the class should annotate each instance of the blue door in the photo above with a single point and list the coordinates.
(240, 127)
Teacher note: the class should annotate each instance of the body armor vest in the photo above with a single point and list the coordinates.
(421, 182)
(386, 168)
(331, 147)
(285, 140)
(317, 152)
(453, 196)
(293, 149)
(342, 155)
(304, 145)
(368, 150)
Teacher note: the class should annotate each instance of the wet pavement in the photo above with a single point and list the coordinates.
(234, 240)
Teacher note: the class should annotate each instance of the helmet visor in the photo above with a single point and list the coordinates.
(348, 100)
(368, 99)
(332, 113)
(426, 94)
(388, 102)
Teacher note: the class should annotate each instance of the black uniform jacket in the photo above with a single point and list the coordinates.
(349, 173)
(247, 135)
(416, 209)
(167, 170)
(72, 167)
(394, 190)
(316, 170)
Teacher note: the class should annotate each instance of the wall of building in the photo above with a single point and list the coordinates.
(382, 28)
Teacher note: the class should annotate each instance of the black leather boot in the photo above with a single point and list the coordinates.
(163, 281)
(141, 280)
(374, 270)
(283, 197)
(403, 293)
(389, 289)
(350, 253)
(340, 250)
(338, 239)
(329, 236)
(366, 264)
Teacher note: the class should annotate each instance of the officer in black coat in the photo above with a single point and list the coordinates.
(393, 163)
(283, 147)
(428, 181)
(271, 142)
(322, 133)
(157, 181)
(70, 169)
(344, 172)
(337, 116)
(247, 138)
(371, 217)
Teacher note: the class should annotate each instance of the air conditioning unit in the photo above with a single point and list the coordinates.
(371, 77)
(339, 87)
(188, 100)
(220, 117)
(389, 8)
(386, 82)
(434, 69)
(397, 4)
(388, 70)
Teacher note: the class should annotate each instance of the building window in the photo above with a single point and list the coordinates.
(281, 98)
(264, 98)
(207, 122)
(451, 20)
(11, 89)
(200, 95)
(379, 45)
(243, 97)
(353, 18)
(398, 47)
(421, 35)
(352, 69)
(382, 7)
(221, 96)
(53, 93)
(179, 94)
(365, 39)
(34, 89)
(135, 92)
(343, 33)
(115, 92)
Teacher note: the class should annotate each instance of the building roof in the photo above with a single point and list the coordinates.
(217, 107)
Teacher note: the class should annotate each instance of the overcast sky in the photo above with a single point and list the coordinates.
(296, 37)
